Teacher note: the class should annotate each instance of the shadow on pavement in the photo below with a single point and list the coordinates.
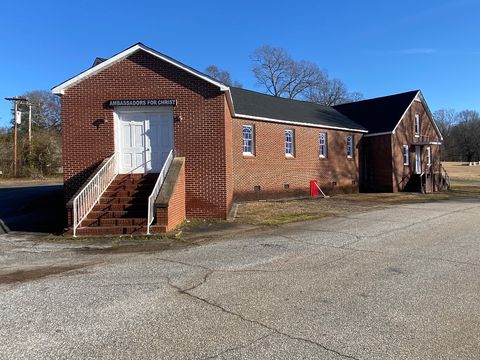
(32, 208)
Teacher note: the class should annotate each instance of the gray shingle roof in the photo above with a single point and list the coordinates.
(380, 114)
(247, 102)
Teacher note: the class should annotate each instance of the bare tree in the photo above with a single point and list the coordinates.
(445, 119)
(45, 110)
(465, 135)
(222, 76)
(281, 75)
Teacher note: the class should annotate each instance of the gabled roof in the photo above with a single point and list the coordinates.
(258, 106)
(99, 66)
(379, 115)
(98, 60)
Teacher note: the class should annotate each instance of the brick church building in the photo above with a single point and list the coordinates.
(149, 141)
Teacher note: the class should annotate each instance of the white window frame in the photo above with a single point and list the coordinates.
(323, 153)
(289, 144)
(350, 147)
(429, 155)
(417, 125)
(406, 155)
(245, 141)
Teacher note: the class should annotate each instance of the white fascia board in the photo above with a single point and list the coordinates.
(228, 95)
(259, 118)
(60, 89)
(380, 134)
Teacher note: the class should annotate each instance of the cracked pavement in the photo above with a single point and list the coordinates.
(401, 282)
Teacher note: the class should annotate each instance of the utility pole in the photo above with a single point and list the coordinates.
(16, 100)
(30, 127)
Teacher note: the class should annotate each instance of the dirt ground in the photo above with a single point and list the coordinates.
(17, 182)
(465, 183)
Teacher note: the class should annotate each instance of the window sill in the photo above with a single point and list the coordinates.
(322, 157)
(248, 156)
(288, 156)
(349, 157)
(417, 135)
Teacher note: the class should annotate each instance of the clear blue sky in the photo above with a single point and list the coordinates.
(376, 47)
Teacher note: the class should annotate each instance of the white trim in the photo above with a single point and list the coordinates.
(417, 125)
(60, 89)
(259, 118)
(325, 144)
(350, 156)
(407, 154)
(429, 155)
(379, 134)
(292, 132)
(248, 153)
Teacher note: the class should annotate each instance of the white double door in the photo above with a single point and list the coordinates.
(144, 141)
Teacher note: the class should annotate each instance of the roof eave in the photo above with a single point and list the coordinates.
(266, 119)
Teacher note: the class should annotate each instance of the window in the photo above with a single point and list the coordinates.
(289, 142)
(247, 139)
(350, 146)
(429, 156)
(323, 145)
(406, 157)
(417, 124)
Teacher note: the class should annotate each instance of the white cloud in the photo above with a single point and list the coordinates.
(416, 51)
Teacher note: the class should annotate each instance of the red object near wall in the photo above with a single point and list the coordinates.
(314, 188)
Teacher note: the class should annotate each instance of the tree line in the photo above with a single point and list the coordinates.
(43, 156)
(461, 134)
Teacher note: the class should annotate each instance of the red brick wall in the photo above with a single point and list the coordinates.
(174, 214)
(270, 169)
(377, 157)
(201, 136)
(229, 155)
(405, 134)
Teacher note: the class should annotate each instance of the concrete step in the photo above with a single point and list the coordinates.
(119, 230)
(114, 222)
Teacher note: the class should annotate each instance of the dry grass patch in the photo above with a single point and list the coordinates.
(464, 185)
(285, 211)
(459, 171)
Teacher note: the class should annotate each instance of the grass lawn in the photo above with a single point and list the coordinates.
(465, 182)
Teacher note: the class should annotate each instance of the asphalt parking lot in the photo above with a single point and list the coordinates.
(401, 282)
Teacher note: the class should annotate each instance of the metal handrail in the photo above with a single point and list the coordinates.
(428, 169)
(86, 199)
(156, 189)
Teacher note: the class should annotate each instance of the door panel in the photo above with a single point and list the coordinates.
(159, 140)
(132, 143)
(145, 140)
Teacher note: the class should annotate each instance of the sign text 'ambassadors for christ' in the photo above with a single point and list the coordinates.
(143, 102)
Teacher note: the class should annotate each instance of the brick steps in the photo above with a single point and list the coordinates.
(119, 230)
(122, 209)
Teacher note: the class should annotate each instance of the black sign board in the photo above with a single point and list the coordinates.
(143, 102)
